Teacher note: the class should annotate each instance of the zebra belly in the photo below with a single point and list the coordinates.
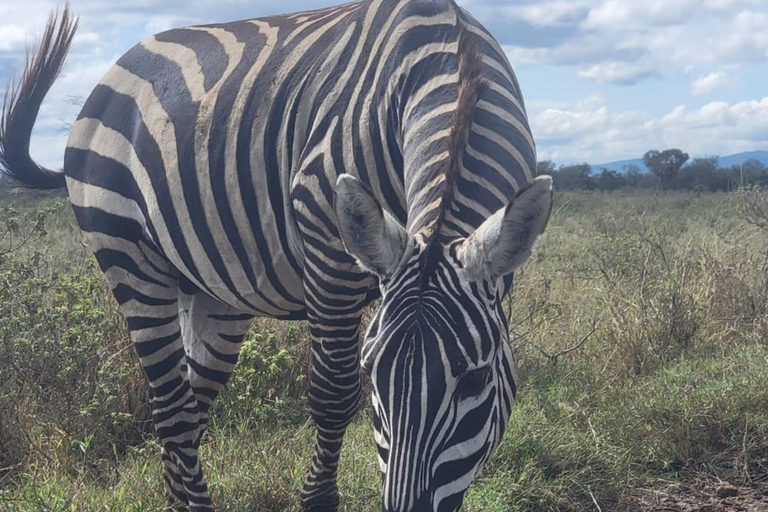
(111, 221)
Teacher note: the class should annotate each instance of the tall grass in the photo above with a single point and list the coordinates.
(640, 331)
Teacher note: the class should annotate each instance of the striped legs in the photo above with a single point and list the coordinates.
(334, 397)
(213, 335)
(335, 292)
(146, 287)
(187, 344)
(334, 392)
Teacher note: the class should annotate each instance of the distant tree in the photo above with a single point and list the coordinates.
(665, 164)
(634, 176)
(702, 174)
(751, 172)
(609, 180)
(753, 165)
(711, 163)
(545, 167)
(573, 177)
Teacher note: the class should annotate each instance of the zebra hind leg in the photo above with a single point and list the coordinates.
(147, 288)
(213, 335)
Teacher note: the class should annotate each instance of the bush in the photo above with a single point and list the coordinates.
(269, 382)
(71, 386)
(701, 175)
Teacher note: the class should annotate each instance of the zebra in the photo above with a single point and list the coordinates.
(300, 167)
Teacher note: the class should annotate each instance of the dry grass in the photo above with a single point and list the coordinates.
(641, 343)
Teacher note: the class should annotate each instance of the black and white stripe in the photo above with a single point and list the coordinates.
(295, 167)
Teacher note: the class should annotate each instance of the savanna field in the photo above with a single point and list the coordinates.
(640, 327)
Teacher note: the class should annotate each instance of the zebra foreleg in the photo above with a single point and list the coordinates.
(334, 398)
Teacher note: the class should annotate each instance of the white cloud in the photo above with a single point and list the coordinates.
(621, 14)
(162, 23)
(746, 120)
(745, 39)
(709, 83)
(48, 150)
(617, 72)
(590, 131)
(554, 13)
(12, 37)
(590, 49)
(602, 42)
(624, 42)
(19, 22)
(79, 78)
(730, 4)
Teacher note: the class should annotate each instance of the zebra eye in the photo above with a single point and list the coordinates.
(473, 383)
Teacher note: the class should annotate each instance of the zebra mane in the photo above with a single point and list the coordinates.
(471, 84)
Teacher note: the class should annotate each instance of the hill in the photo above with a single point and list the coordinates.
(725, 161)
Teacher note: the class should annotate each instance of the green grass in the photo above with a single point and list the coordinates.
(663, 299)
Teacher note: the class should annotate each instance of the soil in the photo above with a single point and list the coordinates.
(701, 492)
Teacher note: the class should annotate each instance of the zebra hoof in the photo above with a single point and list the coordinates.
(327, 503)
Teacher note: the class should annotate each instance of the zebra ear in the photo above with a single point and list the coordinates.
(505, 240)
(370, 234)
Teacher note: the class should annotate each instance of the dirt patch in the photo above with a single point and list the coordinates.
(700, 492)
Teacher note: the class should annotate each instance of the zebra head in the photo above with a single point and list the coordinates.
(437, 349)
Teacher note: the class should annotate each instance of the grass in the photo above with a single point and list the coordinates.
(641, 328)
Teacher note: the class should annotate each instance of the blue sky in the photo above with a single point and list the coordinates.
(603, 79)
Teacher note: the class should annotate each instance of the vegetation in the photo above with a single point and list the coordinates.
(665, 164)
(668, 172)
(640, 330)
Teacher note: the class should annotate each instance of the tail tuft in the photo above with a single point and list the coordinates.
(23, 100)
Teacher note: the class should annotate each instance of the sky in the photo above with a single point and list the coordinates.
(603, 80)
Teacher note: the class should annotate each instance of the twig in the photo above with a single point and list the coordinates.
(748, 477)
(522, 336)
(554, 357)
(557, 212)
(595, 501)
(578, 346)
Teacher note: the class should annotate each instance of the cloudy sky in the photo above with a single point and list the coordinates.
(603, 79)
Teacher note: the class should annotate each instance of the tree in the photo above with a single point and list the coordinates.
(609, 180)
(665, 164)
(752, 166)
(76, 100)
(638, 178)
(545, 167)
(752, 171)
(573, 177)
(702, 174)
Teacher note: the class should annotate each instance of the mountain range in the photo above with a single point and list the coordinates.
(725, 161)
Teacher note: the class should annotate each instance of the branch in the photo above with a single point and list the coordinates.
(553, 358)
(578, 345)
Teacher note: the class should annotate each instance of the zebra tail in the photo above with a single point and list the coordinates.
(23, 100)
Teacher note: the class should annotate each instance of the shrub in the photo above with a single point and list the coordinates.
(269, 382)
(71, 386)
